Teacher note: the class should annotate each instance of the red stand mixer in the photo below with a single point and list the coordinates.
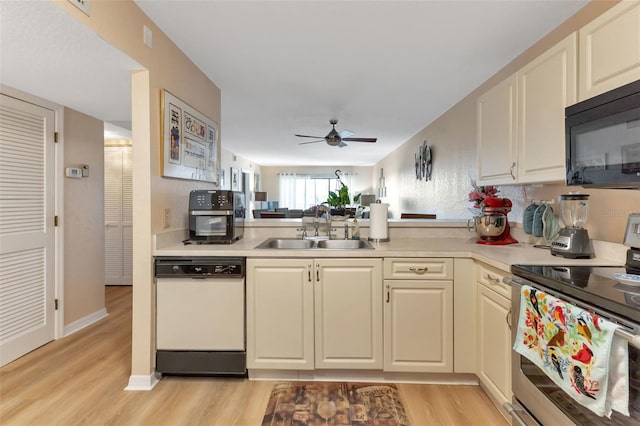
(492, 225)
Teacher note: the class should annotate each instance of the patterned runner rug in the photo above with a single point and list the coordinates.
(336, 404)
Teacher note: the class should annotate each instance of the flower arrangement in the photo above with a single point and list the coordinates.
(479, 193)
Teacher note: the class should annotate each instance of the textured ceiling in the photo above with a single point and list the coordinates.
(47, 53)
(385, 69)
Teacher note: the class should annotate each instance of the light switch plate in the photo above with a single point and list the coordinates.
(166, 218)
(147, 36)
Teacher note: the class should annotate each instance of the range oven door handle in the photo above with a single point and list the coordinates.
(513, 412)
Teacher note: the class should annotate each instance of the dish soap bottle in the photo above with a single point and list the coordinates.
(355, 233)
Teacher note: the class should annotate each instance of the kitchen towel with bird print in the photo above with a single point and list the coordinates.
(576, 349)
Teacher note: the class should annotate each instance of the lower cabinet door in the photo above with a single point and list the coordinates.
(348, 313)
(280, 314)
(418, 326)
(494, 341)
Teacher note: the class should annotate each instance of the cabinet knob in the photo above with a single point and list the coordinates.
(513, 165)
(388, 295)
(508, 318)
(419, 271)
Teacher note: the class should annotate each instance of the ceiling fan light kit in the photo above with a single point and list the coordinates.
(335, 138)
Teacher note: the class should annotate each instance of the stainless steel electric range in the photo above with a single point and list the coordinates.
(536, 398)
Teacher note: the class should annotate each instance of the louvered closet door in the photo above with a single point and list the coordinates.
(118, 216)
(27, 237)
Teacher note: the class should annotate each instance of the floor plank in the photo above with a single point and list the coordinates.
(80, 380)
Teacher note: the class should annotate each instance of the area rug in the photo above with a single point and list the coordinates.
(339, 404)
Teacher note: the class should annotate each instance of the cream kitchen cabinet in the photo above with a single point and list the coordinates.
(418, 315)
(280, 314)
(546, 86)
(520, 121)
(610, 50)
(494, 333)
(304, 314)
(348, 313)
(497, 133)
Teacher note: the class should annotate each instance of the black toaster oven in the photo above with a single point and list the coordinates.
(216, 216)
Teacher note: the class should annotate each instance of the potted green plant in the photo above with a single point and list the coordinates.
(338, 201)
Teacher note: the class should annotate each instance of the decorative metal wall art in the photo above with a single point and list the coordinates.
(423, 162)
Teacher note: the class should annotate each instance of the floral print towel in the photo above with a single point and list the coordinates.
(572, 346)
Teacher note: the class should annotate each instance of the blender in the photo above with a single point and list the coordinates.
(573, 240)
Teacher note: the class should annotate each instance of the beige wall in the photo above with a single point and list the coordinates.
(453, 140)
(83, 217)
(121, 24)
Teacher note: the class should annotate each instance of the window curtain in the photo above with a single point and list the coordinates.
(287, 190)
(304, 191)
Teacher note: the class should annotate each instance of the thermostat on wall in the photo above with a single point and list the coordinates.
(73, 172)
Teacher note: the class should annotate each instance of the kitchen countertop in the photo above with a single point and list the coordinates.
(501, 257)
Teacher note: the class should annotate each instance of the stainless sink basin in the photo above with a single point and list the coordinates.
(344, 244)
(285, 243)
(297, 244)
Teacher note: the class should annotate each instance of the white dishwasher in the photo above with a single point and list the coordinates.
(200, 316)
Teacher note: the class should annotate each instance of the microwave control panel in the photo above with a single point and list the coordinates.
(211, 200)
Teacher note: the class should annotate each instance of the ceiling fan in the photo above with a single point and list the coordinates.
(335, 138)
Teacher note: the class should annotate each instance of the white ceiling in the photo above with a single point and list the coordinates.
(385, 69)
(47, 53)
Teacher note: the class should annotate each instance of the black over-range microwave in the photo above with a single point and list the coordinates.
(603, 139)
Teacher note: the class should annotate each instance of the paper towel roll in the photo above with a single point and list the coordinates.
(378, 227)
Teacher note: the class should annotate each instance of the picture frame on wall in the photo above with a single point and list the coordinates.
(235, 179)
(223, 182)
(256, 182)
(189, 141)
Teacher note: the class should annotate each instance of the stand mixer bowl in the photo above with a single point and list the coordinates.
(490, 226)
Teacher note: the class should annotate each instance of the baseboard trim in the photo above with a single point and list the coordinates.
(138, 382)
(85, 322)
(363, 376)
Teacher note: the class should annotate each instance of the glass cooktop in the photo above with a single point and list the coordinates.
(591, 284)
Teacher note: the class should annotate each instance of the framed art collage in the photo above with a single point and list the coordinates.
(189, 142)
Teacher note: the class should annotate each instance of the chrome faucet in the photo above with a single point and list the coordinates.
(304, 232)
(327, 216)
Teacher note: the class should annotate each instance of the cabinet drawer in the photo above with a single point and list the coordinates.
(493, 278)
(418, 268)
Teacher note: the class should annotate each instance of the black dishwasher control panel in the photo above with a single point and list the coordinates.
(204, 267)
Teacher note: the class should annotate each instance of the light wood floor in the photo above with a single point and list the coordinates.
(79, 380)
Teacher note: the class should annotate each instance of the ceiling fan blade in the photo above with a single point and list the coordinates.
(345, 133)
(306, 136)
(342, 145)
(304, 143)
(360, 139)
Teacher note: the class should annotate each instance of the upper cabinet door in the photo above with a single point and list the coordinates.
(496, 133)
(546, 86)
(610, 50)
